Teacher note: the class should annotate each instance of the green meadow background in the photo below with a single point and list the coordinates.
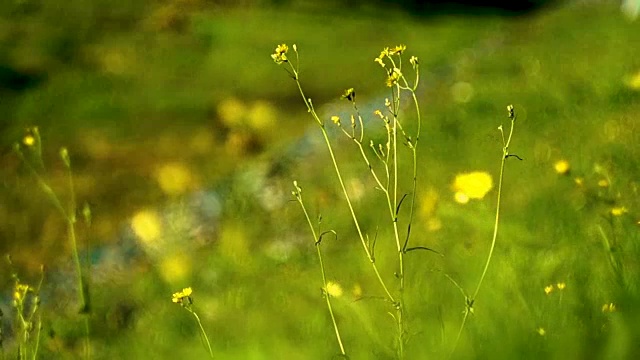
(185, 138)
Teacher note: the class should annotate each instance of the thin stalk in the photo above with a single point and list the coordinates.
(70, 216)
(37, 345)
(202, 332)
(311, 110)
(505, 154)
(298, 195)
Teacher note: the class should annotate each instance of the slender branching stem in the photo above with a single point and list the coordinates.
(505, 154)
(69, 214)
(317, 240)
(311, 110)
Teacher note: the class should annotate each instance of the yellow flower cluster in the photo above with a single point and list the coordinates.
(280, 55)
(396, 50)
(183, 297)
(20, 292)
(549, 288)
(619, 211)
(393, 77)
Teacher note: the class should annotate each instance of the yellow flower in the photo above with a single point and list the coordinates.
(618, 211)
(20, 292)
(610, 307)
(548, 289)
(29, 140)
(603, 183)
(393, 76)
(175, 178)
(333, 289)
(349, 94)
(335, 119)
(397, 50)
(414, 61)
(280, 55)
(147, 225)
(562, 167)
(561, 285)
(541, 331)
(473, 185)
(633, 81)
(181, 296)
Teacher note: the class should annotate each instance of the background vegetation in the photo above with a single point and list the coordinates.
(185, 137)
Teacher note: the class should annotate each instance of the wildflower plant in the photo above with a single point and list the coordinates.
(28, 319)
(184, 299)
(30, 152)
(506, 142)
(382, 162)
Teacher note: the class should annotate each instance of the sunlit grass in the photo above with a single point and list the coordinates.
(571, 214)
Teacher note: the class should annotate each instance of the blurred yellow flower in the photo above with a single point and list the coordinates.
(562, 167)
(561, 285)
(633, 81)
(334, 289)
(428, 203)
(176, 267)
(20, 292)
(610, 307)
(146, 224)
(618, 211)
(232, 112)
(261, 116)
(473, 185)
(174, 178)
(603, 183)
(29, 140)
(548, 289)
(541, 331)
(335, 119)
(579, 181)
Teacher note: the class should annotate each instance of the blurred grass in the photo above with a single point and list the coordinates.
(130, 90)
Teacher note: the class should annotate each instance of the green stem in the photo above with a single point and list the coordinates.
(343, 187)
(322, 270)
(204, 333)
(505, 155)
(71, 231)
